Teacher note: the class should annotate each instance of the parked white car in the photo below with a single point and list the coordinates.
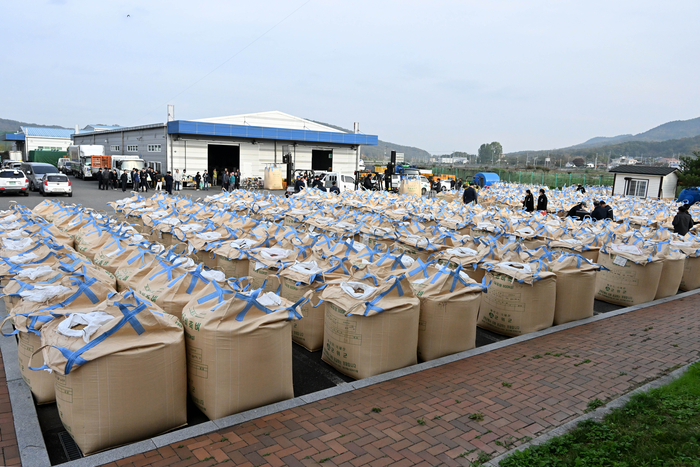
(56, 184)
(14, 181)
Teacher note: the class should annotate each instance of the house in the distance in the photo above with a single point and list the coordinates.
(643, 181)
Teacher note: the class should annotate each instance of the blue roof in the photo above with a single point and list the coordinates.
(14, 137)
(48, 132)
(260, 132)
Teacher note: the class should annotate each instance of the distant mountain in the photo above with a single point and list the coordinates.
(643, 150)
(672, 130)
(377, 152)
(12, 126)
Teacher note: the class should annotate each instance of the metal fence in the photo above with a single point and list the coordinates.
(551, 179)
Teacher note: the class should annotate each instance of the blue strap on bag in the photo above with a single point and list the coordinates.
(196, 276)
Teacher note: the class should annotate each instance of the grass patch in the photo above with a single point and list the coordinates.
(657, 428)
(506, 385)
(481, 459)
(594, 404)
(477, 416)
(376, 409)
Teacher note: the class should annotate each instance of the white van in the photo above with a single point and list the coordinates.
(345, 182)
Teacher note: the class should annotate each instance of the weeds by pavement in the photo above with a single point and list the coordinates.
(655, 429)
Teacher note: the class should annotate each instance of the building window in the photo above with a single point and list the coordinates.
(132, 148)
(114, 148)
(637, 188)
(154, 148)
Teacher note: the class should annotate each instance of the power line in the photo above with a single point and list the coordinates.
(233, 56)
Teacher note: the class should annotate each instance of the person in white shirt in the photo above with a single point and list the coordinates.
(177, 177)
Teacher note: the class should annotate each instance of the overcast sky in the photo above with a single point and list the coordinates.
(440, 75)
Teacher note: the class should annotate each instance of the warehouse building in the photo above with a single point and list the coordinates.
(246, 142)
(40, 139)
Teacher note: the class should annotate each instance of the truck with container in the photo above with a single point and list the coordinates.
(83, 155)
(12, 156)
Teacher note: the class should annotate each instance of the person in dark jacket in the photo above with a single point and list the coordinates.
(299, 185)
(458, 185)
(144, 180)
(124, 179)
(469, 195)
(197, 181)
(104, 180)
(602, 211)
(542, 201)
(334, 189)
(529, 201)
(368, 182)
(99, 179)
(581, 189)
(135, 179)
(683, 222)
(578, 210)
(225, 180)
(168, 182)
(237, 182)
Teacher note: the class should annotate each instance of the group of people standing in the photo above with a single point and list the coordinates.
(142, 180)
(201, 180)
(229, 180)
(149, 178)
(529, 201)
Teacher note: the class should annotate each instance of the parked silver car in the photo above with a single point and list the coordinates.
(36, 171)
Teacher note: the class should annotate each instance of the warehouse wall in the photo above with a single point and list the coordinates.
(192, 155)
(34, 142)
(140, 138)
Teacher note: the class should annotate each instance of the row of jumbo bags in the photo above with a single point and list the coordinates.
(396, 305)
(404, 209)
(391, 225)
(233, 256)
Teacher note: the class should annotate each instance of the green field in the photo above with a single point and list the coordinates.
(552, 179)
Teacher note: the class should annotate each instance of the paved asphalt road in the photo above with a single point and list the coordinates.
(86, 192)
